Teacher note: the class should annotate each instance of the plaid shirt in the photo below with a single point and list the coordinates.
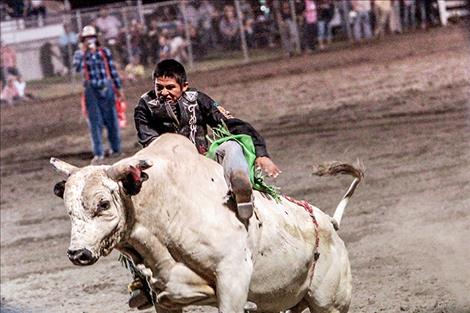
(96, 67)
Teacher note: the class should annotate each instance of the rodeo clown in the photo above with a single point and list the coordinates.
(172, 107)
(102, 85)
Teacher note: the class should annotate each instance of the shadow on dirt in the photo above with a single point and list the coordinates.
(8, 309)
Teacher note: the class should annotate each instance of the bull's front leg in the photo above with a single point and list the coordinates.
(233, 281)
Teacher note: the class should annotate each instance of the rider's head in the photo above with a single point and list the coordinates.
(169, 78)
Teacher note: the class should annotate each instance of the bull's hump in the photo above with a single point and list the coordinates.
(169, 143)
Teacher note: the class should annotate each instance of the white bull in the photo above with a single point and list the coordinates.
(176, 221)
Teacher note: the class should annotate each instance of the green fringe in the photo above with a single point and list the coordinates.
(222, 134)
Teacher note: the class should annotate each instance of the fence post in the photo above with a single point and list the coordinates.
(246, 58)
(296, 28)
(79, 21)
(187, 33)
(128, 36)
(66, 19)
(277, 13)
(141, 12)
(442, 12)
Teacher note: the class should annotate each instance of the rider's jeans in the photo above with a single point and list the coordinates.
(230, 156)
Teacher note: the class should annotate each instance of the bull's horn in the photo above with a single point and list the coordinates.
(120, 170)
(63, 167)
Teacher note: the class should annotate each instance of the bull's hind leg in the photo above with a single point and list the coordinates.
(233, 281)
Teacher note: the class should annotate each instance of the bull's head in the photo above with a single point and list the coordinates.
(97, 201)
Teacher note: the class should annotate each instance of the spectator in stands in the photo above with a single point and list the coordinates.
(395, 20)
(167, 14)
(15, 8)
(134, 70)
(164, 44)
(287, 28)
(136, 31)
(36, 9)
(20, 86)
(326, 10)
(192, 14)
(249, 27)
(9, 93)
(208, 14)
(229, 29)
(3, 69)
(198, 50)
(178, 49)
(409, 14)
(68, 43)
(246, 9)
(422, 6)
(362, 26)
(46, 53)
(110, 27)
(310, 25)
(102, 84)
(153, 35)
(382, 16)
(8, 55)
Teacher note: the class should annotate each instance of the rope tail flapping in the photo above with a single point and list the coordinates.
(334, 168)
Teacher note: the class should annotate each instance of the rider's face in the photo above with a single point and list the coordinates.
(168, 89)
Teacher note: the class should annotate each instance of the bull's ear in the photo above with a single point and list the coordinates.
(130, 174)
(63, 167)
(59, 189)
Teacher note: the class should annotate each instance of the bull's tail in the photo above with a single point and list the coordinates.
(335, 168)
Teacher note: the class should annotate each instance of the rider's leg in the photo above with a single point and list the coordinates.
(140, 293)
(236, 171)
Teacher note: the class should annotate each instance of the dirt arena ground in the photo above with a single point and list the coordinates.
(400, 105)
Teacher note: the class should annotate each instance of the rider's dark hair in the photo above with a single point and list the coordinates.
(170, 68)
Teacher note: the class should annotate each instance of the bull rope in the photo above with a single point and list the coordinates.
(309, 208)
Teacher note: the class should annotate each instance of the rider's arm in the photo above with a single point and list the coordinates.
(142, 120)
(214, 114)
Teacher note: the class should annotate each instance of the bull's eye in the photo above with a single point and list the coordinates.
(103, 205)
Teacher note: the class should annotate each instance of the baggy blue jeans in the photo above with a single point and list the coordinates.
(362, 21)
(101, 108)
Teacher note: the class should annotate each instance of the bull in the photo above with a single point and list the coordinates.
(166, 208)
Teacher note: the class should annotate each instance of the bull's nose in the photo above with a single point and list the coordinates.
(81, 256)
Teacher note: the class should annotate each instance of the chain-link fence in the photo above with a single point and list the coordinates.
(189, 31)
(181, 30)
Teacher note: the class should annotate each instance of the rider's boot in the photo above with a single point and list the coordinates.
(140, 297)
(243, 193)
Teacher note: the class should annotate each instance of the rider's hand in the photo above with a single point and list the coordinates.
(267, 165)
